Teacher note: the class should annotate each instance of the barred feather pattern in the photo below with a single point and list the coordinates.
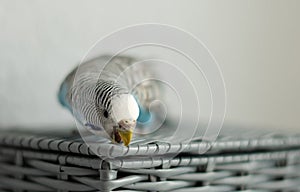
(91, 97)
(139, 79)
(97, 81)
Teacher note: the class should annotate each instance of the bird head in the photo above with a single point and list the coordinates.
(124, 113)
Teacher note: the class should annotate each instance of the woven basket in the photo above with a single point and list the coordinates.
(240, 162)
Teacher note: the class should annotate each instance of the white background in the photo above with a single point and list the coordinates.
(256, 44)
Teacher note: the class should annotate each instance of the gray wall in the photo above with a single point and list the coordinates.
(256, 44)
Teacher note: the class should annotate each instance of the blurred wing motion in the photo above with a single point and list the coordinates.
(110, 96)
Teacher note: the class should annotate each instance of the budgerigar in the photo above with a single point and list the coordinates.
(108, 95)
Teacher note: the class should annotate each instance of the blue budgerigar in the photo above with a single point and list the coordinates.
(110, 95)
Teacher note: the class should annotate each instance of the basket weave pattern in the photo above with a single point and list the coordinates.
(34, 163)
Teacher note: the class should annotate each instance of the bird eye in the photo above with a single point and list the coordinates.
(105, 114)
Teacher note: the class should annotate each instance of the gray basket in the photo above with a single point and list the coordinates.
(255, 161)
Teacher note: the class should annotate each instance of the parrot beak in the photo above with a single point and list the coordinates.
(125, 130)
(125, 136)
